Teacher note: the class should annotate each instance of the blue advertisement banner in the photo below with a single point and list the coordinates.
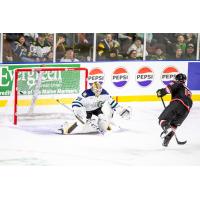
(194, 75)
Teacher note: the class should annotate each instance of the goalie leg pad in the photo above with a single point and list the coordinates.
(80, 114)
(102, 122)
(107, 110)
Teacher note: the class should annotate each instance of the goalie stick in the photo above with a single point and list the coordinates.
(74, 125)
(178, 142)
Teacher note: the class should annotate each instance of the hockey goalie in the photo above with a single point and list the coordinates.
(94, 109)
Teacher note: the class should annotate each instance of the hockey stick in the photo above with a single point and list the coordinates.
(91, 124)
(178, 142)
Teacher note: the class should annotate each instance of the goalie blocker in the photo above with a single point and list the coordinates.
(95, 101)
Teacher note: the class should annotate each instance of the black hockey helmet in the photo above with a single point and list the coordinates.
(181, 77)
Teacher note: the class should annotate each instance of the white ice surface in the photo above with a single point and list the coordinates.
(137, 142)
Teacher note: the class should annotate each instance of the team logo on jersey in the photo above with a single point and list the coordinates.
(120, 77)
(168, 75)
(96, 74)
(144, 76)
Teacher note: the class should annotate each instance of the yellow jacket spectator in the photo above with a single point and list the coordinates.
(106, 45)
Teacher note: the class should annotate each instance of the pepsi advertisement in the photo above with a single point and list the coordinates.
(134, 78)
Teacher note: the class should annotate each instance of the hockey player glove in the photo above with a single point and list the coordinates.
(161, 92)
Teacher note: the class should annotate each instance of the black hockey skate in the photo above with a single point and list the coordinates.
(165, 126)
(167, 138)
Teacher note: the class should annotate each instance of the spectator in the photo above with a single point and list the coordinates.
(191, 38)
(125, 40)
(69, 56)
(158, 55)
(138, 46)
(133, 55)
(49, 57)
(40, 48)
(21, 50)
(114, 55)
(190, 52)
(60, 47)
(7, 50)
(30, 38)
(181, 43)
(105, 46)
(166, 40)
(49, 40)
(83, 46)
(178, 54)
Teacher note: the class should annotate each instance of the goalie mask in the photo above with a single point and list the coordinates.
(96, 88)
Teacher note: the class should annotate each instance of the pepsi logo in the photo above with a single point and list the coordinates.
(168, 75)
(120, 77)
(96, 74)
(144, 76)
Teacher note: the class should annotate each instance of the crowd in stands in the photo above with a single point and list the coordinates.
(78, 47)
(122, 44)
(170, 46)
(28, 47)
(74, 47)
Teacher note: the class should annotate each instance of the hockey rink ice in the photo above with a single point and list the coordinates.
(135, 142)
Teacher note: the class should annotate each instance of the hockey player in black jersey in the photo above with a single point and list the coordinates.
(178, 109)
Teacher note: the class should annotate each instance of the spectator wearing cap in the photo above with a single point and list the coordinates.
(69, 56)
(190, 52)
(138, 46)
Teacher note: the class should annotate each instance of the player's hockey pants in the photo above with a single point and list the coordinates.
(175, 113)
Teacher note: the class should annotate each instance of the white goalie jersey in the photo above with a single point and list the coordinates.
(90, 102)
(97, 101)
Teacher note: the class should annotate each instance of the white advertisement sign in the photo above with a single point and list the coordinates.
(134, 78)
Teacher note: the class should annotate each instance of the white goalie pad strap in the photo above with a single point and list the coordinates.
(80, 114)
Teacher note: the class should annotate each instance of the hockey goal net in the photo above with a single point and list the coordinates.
(36, 91)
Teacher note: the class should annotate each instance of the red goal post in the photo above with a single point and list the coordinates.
(46, 69)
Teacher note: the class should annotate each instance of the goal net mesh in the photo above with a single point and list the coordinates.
(36, 91)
